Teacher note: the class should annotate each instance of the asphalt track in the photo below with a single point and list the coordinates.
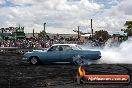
(15, 73)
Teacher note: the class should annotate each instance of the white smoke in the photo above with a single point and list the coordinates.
(120, 54)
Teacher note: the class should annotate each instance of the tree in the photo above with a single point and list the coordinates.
(103, 34)
(43, 35)
(128, 24)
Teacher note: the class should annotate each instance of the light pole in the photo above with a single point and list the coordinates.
(44, 27)
(78, 32)
(2, 29)
(92, 27)
(33, 32)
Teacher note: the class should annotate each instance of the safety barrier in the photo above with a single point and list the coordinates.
(18, 50)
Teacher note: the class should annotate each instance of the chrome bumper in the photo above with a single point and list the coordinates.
(24, 58)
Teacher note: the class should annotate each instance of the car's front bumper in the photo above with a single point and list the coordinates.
(24, 58)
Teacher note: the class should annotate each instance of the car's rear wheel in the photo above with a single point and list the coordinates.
(80, 60)
(34, 60)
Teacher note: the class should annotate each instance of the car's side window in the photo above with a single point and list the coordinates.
(53, 48)
(60, 48)
(66, 48)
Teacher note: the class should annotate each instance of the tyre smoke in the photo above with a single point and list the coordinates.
(119, 54)
(115, 53)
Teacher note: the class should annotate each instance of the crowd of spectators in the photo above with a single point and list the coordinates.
(36, 42)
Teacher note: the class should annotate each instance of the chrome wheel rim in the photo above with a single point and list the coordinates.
(34, 60)
(78, 60)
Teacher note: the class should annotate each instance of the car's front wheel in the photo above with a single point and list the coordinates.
(34, 60)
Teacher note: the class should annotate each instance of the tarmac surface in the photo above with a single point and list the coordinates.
(15, 73)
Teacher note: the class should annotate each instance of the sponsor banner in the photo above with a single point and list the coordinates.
(107, 78)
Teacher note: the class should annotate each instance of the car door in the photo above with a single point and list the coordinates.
(53, 54)
(66, 54)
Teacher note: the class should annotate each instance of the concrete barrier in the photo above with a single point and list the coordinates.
(18, 50)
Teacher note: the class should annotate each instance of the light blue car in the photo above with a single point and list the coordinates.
(62, 53)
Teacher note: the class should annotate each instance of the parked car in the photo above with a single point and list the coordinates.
(62, 53)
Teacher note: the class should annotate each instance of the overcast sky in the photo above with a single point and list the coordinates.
(63, 16)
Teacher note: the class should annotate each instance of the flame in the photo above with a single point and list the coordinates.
(81, 71)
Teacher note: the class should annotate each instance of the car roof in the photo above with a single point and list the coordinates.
(65, 44)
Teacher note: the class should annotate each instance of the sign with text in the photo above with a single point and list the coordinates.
(107, 78)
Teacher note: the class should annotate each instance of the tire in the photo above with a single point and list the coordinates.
(34, 60)
(80, 60)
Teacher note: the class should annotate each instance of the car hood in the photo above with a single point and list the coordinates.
(94, 49)
(91, 49)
